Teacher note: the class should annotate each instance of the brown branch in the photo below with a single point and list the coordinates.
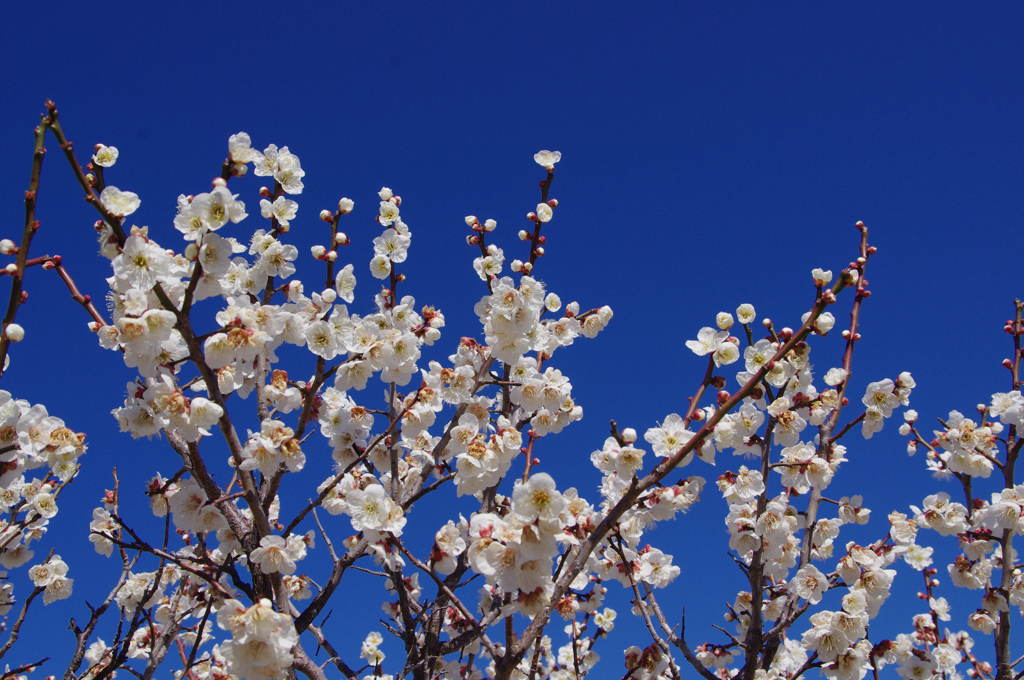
(16, 629)
(28, 231)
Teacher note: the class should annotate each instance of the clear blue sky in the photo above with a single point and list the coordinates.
(713, 154)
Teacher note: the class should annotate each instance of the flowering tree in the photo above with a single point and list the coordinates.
(226, 339)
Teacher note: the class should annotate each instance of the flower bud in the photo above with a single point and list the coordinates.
(471, 220)
(318, 251)
(331, 255)
(14, 332)
(490, 225)
(341, 238)
(346, 205)
(629, 435)
(329, 295)
(746, 313)
(8, 247)
(12, 269)
(524, 235)
(822, 277)
(544, 212)
(723, 320)
(326, 215)
(552, 302)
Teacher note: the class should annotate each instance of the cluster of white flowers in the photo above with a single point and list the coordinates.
(261, 639)
(52, 577)
(473, 421)
(40, 456)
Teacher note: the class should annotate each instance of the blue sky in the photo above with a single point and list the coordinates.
(713, 154)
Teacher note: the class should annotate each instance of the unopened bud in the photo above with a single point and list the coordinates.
(723, 396)
(471, 220)
(331, 255)
(490, 225)
(326, 215)
(524, 235)
(11, 269)
(14, 332)
(345, 205)
(629, 435)
(318, 251)
(7, 247)
(341, 238)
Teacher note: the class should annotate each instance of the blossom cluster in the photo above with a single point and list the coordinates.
(211, 327)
